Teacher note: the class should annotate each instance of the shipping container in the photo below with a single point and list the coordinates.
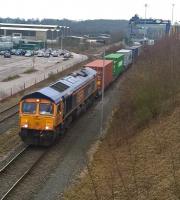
(127, 57)
(118, 63)
(150, 42)
(139, 49)
(135, 52)
(108, 69)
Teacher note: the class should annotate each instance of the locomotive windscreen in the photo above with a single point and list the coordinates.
(60, 87)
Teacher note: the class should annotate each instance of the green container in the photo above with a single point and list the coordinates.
(118, 63)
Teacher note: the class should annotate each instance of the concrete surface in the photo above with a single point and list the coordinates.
(17, 65)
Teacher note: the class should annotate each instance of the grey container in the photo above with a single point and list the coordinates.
(127, 56)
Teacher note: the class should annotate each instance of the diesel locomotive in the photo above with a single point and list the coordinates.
(46, 113)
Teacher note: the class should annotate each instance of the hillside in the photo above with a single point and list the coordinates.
(78, 27)
(139, 157)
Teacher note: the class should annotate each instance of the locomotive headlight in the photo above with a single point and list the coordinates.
(25, 126)
(98, 83)
(48, 127)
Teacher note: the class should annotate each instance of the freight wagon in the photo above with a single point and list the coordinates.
(118, 62)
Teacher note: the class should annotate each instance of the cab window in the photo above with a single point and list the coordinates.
(45, 108)
(29, 107)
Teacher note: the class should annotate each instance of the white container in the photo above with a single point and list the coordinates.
(127, 56)
(150, 42)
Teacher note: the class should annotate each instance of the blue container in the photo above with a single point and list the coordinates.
(135, 52)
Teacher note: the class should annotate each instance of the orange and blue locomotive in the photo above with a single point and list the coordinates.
(46, 113)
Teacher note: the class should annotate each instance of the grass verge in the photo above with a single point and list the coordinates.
(10, 78)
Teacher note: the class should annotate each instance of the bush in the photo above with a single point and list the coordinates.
(154, 82)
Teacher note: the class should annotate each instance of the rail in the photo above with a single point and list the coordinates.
(14, 161)
(4, 116)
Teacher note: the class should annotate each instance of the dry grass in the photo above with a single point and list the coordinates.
(10, 78)
(139, 158)
(144, 166)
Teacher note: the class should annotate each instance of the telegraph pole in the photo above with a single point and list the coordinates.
(102, 89)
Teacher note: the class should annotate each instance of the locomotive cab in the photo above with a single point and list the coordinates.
(38, 120)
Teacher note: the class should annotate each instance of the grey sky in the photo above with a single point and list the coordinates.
(92, 9)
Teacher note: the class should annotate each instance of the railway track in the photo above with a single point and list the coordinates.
(15, 171)
(8, 113)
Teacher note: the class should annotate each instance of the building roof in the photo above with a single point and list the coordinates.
(98, 63)
(22, 29)
(29, 25)
(65, 86)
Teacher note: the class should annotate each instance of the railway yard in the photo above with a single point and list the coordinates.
(56, 170)
(29, 172)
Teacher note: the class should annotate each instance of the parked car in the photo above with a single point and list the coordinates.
(18, 52)
(13, 51)
(2, 53)
(40, 54)
(67, 55)
(7, 54)
(46, 54)
(29, 54)
(55, 54)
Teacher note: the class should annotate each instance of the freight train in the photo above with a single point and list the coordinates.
(45, 114)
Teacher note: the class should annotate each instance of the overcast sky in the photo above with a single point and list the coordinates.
(92, 9)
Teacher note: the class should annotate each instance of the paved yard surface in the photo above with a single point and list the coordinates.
(18, 65)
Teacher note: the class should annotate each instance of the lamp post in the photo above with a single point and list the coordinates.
(172, 20)
(62, 35)
(68, 28)
(102, 89)
(57, 36)
(52, 38)
(145, 5)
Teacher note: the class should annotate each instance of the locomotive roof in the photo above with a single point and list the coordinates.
(65, 86)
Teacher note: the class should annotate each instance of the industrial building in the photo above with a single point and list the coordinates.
(31, 31)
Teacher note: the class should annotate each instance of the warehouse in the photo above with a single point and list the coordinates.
(30, 31)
